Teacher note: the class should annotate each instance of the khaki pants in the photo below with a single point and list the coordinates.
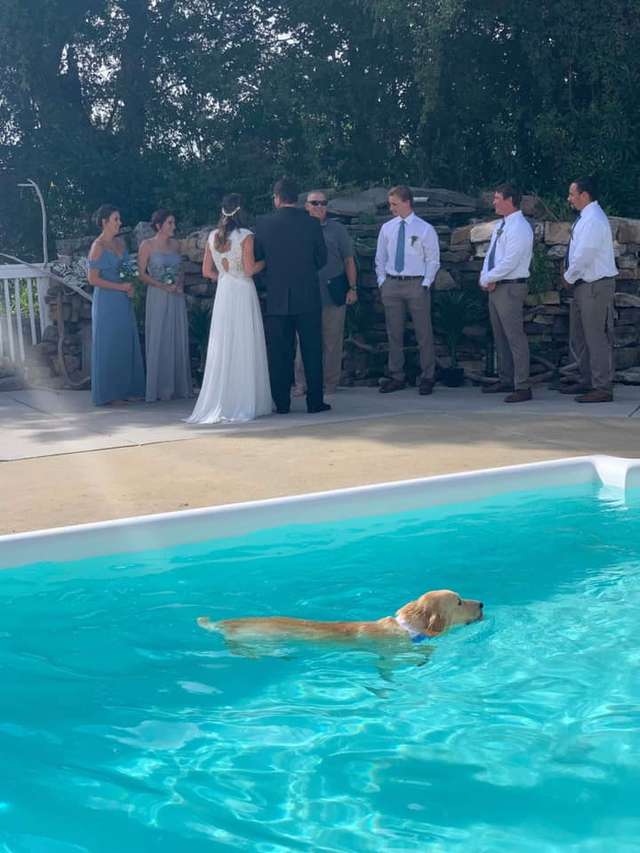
(332, 345)
(591, 332)
(397, 298)
(512, 347)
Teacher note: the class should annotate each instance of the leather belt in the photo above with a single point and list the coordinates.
(404, 277)
(512, 281)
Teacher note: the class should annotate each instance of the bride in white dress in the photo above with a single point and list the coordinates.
(236, 386)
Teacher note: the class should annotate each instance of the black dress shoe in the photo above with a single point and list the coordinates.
(496, 388)
(598, 395)
(519, 396)
(426, 387)
(392, 385)
(282, 410)
(323, 407)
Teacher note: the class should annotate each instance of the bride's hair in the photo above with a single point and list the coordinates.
(233, 216)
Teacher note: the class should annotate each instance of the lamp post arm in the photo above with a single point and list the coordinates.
(45, 246)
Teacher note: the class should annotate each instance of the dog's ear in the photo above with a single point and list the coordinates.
(434, 622)
(424, 616)
(435, 625)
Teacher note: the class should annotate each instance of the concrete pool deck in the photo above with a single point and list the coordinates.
(62, 461)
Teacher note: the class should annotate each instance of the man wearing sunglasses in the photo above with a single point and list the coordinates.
(337, 290)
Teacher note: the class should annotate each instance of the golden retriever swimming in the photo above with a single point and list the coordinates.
(427, 616)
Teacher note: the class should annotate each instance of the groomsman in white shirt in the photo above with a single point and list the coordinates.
(590, 269)
(407, 260)
(505, 276)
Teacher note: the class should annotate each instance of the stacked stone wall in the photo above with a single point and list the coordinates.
(463, 224)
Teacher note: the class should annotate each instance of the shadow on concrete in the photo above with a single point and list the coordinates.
(43, 423)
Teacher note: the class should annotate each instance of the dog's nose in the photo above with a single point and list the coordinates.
(480, 604)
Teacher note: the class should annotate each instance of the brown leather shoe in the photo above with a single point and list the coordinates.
(595, 396)
(520, 396)
(426, 387)
(496, 388)
(392, 385)
(574, 389)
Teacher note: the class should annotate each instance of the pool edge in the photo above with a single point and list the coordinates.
(193, 525)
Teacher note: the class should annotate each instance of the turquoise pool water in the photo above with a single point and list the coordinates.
(125, 727)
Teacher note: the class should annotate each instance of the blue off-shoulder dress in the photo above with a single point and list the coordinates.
(117, 372)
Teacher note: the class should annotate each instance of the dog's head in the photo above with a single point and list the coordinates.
(436, 611)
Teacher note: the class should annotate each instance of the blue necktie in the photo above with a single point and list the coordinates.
(399, 263)
(491, 261)
(566, 254)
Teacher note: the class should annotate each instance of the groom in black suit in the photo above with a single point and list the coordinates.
(291, 243)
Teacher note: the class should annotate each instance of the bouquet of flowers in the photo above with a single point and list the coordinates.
(169, 275)
(172, 276)
(129, 271)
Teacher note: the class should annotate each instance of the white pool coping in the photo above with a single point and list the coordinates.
(166, 530)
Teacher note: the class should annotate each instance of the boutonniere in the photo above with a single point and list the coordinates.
(414, 239)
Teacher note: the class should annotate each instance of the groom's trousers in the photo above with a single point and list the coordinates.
(281, 349)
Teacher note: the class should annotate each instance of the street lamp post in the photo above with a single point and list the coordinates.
(45, 246)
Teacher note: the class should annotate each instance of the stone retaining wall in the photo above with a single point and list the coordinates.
(464, 224)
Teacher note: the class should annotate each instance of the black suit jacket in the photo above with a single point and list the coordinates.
(291, 243)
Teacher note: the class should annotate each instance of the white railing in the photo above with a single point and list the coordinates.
(23, 308)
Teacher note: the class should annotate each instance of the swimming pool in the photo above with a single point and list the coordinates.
(124, 726)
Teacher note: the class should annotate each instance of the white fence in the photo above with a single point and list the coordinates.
(23, 310)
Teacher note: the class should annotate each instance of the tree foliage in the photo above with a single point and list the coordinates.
(148, 102)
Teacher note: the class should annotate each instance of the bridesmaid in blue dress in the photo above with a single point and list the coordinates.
(117, 374)
(166, 323)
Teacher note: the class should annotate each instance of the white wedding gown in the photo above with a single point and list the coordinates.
(236, 386)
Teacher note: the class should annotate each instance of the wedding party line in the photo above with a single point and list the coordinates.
(255, 362)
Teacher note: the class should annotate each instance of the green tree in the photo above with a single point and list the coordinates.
(148, 102)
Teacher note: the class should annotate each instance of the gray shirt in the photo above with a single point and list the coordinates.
(339, 248)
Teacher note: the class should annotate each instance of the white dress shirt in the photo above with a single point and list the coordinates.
(591, 247)
(421, 250)
(513, 252)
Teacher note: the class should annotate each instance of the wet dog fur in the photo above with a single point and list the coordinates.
(428, 616)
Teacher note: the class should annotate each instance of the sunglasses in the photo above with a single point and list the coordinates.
(318, 203)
